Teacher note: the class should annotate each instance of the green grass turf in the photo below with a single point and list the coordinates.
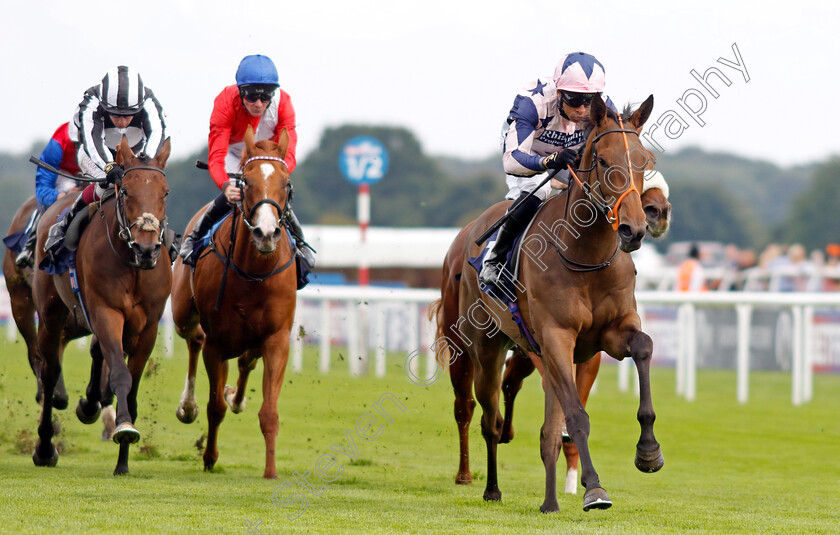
(761, 467)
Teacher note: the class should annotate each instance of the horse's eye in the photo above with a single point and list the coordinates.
(166, 194)
(602, 162)
(123, 192)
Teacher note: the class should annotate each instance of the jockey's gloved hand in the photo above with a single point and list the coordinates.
(113, 172)
(560, 160)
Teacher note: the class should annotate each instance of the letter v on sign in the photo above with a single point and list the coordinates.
(353, 452)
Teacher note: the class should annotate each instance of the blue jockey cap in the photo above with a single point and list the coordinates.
(257, 69)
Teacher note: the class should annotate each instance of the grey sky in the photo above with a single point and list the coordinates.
(447, 70)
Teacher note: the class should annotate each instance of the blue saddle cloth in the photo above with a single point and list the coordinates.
(16, 240)
(506, 290)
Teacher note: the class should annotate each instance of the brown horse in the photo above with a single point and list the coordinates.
(249, 313)
(576, 299)
(19, 285)
(522, 363)
(519, 366)
(123, 288)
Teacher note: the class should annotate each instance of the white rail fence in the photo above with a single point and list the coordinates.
(793, 332)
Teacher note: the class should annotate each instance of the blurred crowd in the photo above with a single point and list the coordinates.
(777, 268)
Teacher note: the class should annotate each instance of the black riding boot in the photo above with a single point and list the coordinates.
(214, 213)
(26, 256)
(55, 236)
(491, 270)
(297, 232)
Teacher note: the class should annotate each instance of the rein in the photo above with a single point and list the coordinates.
(611, 213)
(227, 258)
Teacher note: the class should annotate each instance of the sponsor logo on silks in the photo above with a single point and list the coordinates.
(557, 138)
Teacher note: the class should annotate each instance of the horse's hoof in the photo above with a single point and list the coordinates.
(494, 495)
(83, 416)
(507, 434)
(230, 396)
(649, 461)
(44, 461)
(464, 479)
(596, 498)
(549, 507)
(126, 433)
(60, 403)
(186, 416)
(121, 470)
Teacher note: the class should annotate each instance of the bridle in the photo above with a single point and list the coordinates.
(247, 216)
(146, 222)
(610, 212)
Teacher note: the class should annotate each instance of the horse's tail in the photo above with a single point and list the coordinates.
(436, 313)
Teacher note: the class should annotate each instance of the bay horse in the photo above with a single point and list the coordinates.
(519, 365)
(123, 288)
(248, 314)
(575, 300)
(19, 285)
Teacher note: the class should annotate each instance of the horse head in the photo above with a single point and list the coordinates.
(618, 164)
(265, 185)
(141, 202)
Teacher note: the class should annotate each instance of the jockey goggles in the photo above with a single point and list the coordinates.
(576, 100)
(257, 92)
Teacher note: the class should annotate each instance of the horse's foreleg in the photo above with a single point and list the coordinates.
(187, 410)
(23, 312)
(89, 407)
(518, 367)
(235, 396)
(108, 324)
(585, 375)
(275, 357)
(217, 371)
(648, 453)
(561, 380)
(551, 440)
(137, 360)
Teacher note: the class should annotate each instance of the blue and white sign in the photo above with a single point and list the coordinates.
(363, 160)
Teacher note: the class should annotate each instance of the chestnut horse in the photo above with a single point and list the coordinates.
(19, 285)
(519, 365)
(576, 300)
(249, 313)
(123, 288)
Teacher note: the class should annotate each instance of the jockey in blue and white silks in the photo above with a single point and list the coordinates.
(537, 126)
(544, 131)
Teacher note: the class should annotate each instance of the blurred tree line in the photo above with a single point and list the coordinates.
(715, 196)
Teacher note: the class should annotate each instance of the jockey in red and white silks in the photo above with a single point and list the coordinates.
(229, 121)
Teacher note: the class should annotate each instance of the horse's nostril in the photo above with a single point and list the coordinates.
(258, 233)
(624, 232)
(652, 212)
(277, 231)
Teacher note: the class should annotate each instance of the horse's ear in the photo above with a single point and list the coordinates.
(598, 111)
(163, 154)
(642, 114)
(249, 140)
(124, 152)
(283, 142)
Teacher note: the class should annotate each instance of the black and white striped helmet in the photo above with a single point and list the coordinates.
(122, 91)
